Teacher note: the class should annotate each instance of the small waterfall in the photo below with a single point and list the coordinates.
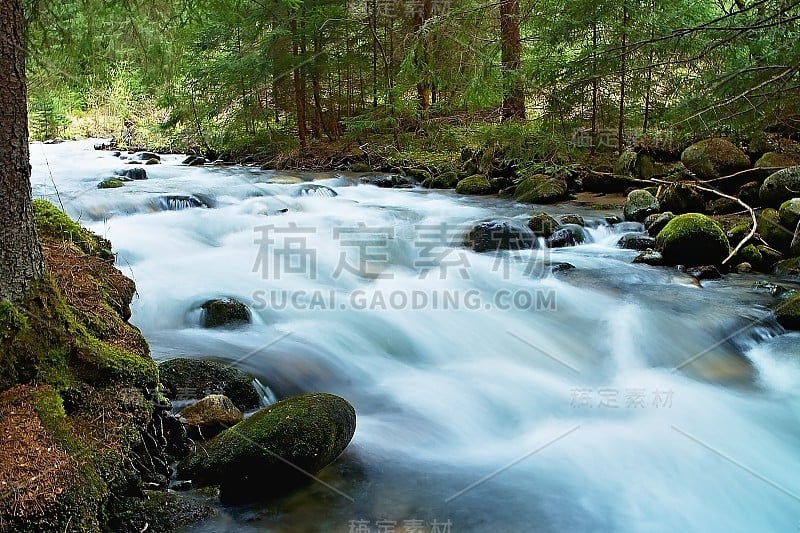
(265, 394)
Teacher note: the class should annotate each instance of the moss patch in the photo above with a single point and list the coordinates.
(692, 239)
(788, 313)
(477, 184)
(541, 189)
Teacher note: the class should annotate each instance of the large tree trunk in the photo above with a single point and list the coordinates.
(20, 253)
(299, 87)
(511, 52)
(422, 13)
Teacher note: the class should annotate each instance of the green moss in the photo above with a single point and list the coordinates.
(208, 377)
(308, 431)
(54, 224)
(788, 313)
(541, 189)
(110, 183)
(750, 254)
(477, 184)
(639, 205)
(775, 160)
(780, 186)
(446, 180)
(692, 239)
(99, 363)
(789, 213)
(772, 231)
(713, 158)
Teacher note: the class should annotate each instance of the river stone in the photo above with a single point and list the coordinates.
(197, 162)
(567, 235)
(137, 173)
(789, 213)
(749, 193)
(446, 180)
(691, 240)
(110, 183)
(388, 181)
(704, 272)
(775, 160)
(772, 231)
(211, 415)
(650, 257)
(572, 219)
(743, 268)
(787, 267)
(193, 379)
(275, 449)
(153, 161)
(655, 223)
(224, 312)
(724, 206)
(713, 158)
(500, 234)
(477, 184)
(146, 156)
(788, 313)
(680, 198)
(541, 189)
(636, 241)
(780, 186)
(543, 225)
(639, 205)
(634, 165)
(794, 247)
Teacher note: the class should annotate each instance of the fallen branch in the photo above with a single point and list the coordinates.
(744, 172)
(723, 195)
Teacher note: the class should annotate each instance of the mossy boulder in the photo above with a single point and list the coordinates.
(749, 193)
(224, 313)
(636, 241)
(193, 379)
(275, 449)
(110, 183)
(634, 165)
(787, 267)
(355, 167)
(772, 231)
(607, 183)
(159, 510)
(639, 205)
(789, 213)
(499, 234)
(567, 235)
(713, 158)
(541, 189)
(572, 218)
(446, 180)
(724, 206)
(692, 239)
(750, 254)
(477, 184)
(780, 186)
(775, 160)
(681, 198)
(543, 225)
(788, 313)
(54, 224)
(419, 174)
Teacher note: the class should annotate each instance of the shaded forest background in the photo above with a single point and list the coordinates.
(260, 77)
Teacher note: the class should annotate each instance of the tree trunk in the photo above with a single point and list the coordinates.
(511, 51)
(422, 13)
(623, 80)
(299, 87)
(20, 254)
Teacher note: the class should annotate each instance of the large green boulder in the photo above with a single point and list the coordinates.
(541, 189)
(772, 231)
(275, 449)
(780, 186)
(446, 180)
(788, 313)
(692, 239)
(713, 158)
(477, 184)
(543, 225)
(639, 205)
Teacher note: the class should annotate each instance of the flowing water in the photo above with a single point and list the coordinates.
(493, 394)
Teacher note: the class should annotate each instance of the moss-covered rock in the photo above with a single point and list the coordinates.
(772, 231)
(693, 239)
(724, 206)
(541, 189)
(572, 218)
(477, 184)
(224, 313)
(187, 379)
(788, 313)
(275, 448)
(634, 165)
(158, 511)
(110, 183)
(713, 158)
(655, 223)
(419, 174)
(787, 267)
(750, 254)
(681, 198)
(567, 235)
(780, 186)
(775, 160)
(749, 193)
(607, 183)
(355, 167)
(542, 224)
(639, 205)
(446, 180)
(789, 213)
